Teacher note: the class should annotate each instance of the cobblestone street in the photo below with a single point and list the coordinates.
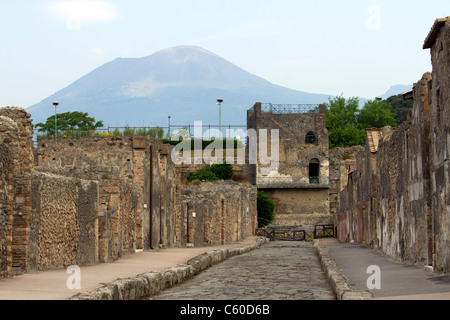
(276, 271)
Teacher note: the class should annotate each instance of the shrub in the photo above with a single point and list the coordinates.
(223, 171)
(129, 131)
(117, 133)
(266, 209)
(212, 173)
(196, 182)
(202, 175)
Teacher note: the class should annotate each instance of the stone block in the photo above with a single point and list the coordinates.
(140, 143)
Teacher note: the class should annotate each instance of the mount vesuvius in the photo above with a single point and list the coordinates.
(182, 82)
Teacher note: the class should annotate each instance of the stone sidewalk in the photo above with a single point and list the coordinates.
(347, 264)
(102, 281)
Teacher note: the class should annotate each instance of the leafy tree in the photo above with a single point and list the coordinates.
(399, 107)
(266, 209)
(376, 114)
(69, 121)
(347, 124)
(342, 122)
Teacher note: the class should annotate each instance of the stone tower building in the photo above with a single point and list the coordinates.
(297, 175)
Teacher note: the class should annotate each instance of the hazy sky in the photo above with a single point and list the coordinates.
(353, 47)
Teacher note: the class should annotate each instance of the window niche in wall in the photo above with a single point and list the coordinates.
(314, 171)
(311, 138)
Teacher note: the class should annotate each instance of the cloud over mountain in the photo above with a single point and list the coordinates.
(75, 13)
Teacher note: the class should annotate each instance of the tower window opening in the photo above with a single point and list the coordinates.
(314, 171)
(311, 138)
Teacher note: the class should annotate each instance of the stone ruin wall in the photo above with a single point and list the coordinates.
(384, 204)
(342, 161)
(15, 128)
(389, 203)
(81, 201)
(6, 185)
(110, 162)
(215, 213)
(398, 198)
(440, 145)
(171, 222)
(23, 243)
(63, 222)
(295, 205)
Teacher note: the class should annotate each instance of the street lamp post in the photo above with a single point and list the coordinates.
(219, 102)
(169, 126)
(56, 119)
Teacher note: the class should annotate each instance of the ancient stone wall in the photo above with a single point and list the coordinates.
(439, 44)
(17, 154)
(398, 198)
(342, 161)
(6, 165)
(117, 208)
(305, 207)
(296, 150)
(118, 164)
(388, 201)
(63, 222)
(299, 182)
(140, 191)
(21, 119)
(215, 213)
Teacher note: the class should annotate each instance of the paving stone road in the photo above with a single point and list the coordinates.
(276, 271)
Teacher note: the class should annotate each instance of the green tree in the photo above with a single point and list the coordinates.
(347, 124)
(69, 121)
(342, 122)
(399, 107)
(376, 114)
(266, 209)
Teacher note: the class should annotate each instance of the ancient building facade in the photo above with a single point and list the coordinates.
(294, 169)
(397, 199)
(143, 202)
(81, 201)
(438, 42)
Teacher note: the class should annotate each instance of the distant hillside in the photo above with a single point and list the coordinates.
(182, 82)
(396, 90)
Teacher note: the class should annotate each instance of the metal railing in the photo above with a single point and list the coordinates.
(290, 108)
(291, 182)
(296, 233)
(207, 131)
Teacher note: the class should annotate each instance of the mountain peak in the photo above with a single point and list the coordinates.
(182, 81)
(185, 48)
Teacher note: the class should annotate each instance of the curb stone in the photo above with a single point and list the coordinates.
(337, 281)
(149, 284)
